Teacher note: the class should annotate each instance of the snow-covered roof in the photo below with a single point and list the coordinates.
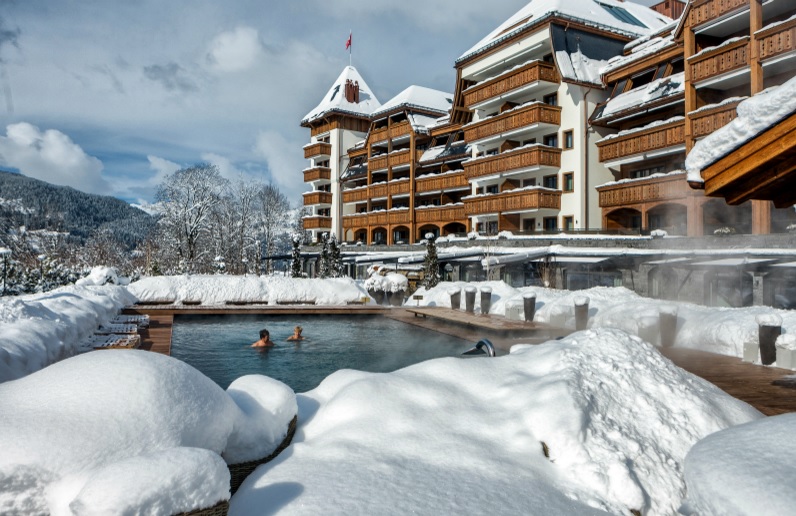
(755, 115)
(335, 100)
(419, 97)
(624, 18)
(637, 98)
(640, 50)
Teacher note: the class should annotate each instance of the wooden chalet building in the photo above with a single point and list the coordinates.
(337, 123)
(404, 179)
(524, 95)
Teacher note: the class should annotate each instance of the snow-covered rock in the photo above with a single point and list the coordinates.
(470, 435)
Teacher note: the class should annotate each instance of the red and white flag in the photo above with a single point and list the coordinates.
(348, 41)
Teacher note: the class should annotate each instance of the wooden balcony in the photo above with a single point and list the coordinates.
(317, 150)
(313, 198)
(317, 174)
(377, 191)
(777, 40)
(399, 187)
(355, 221)
(704, 11)
(399, 217)
(441, 183)
(358, 195)
(528, 74)
(706, 121)
(441, 215)
(404, 157)
(377, 163)
(378, 135)
(652, 139)
(720, 60)
(400, 129)
(513, 201)
(526, 157)
(513, 120)
(317, 222)
(655, 189)
(378, 218)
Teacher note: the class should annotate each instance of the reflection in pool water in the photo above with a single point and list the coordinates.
(219, 346)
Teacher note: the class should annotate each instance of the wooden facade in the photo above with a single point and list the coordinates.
(639, 142)
(529, 74)
(513, 120)
(317, 222)
(514, 160)
(720, 60)
(706, 121)
(317, 174)
(317, 150)
(313, 198)
(513, 201)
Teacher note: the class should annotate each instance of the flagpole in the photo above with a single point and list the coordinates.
(351, 46)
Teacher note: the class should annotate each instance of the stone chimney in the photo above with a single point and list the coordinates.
(352, 91)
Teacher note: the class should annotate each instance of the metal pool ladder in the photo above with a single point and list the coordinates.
(483, 346)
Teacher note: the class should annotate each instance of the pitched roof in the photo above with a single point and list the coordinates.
(617, 16)
(335, 100)
(419, 97)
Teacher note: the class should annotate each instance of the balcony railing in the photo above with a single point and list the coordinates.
(706, 121)
(703, 11)
(399, 187)
(355, 221)
(662, 188)
(528, 74)
(720, 60)
(442, 182)
(318, 222)
(777, 40)
(377, 191)
(654, 138)
(404, 157)
(316, 150)
(399, 217)
(378, 135)
(441, 214)
(358, 195)
(317, 174)
(377, 218)
(514, 201)
(524, 157)
(377, 163)
(313, 198)
(400, 129)
(512, 120)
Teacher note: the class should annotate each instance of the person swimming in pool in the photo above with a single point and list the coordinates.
(265, 340)
(296, 334)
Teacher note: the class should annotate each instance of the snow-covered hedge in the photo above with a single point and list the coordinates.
(39, 329)
(70, 430)
(714, 329)
(218, 289)
(470, 435)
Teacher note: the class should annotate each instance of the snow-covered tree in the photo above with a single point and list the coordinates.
(336, 268)
(188, 198)
(431, 264)
(323, 263)
(272, 220)
(295, 263)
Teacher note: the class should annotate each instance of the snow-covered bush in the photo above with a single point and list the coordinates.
(102, 276)
(472, 235)
(724, 231)
(395, 282)
(121, 412)
(659, 233)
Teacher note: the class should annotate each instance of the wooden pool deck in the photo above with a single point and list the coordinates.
(748, 382)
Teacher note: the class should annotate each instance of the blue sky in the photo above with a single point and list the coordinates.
(110, 96)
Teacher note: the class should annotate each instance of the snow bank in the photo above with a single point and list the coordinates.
(470, 435)
(116, 414)
(714, 329)
(102, 276)
(746, 470)
(217, 290)
(39, 329)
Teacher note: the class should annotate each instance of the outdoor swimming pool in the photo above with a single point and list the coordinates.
(219, 346)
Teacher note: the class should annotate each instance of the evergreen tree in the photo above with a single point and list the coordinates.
(323, 266)
(295, 265)
(431, 264)
(336, 269)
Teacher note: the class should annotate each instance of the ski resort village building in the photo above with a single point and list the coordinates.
(572, 115)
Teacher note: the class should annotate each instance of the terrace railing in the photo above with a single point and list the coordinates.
(654, 138)
(526, 157)
(663, 188)
(317, 222)
(442, 182)
(706, 121)
(513, 120)
(777, 40)
(441, 214)
(317, 174)
(313, 198)
(317, 149)
(513, 200)
(528, 74)
(720, 60)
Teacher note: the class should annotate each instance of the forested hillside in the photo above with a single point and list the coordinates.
(28, 202)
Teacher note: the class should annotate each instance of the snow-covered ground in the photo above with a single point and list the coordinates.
(598, 421)
(718, 330)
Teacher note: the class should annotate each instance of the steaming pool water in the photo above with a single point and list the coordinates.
(219, 346)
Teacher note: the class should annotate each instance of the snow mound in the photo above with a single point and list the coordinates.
(102, 276)
(615, 417)
(220, 289)
(745, 470)
(40, 329)
(65, 426)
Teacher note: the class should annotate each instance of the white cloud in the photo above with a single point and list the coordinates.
(51, 156)
(235, 50)
(284, 161)
(225, 166)
(162, 168)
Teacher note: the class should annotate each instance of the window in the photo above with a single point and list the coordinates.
(661, 72)
(645, 172)
(492, 189)
(619, 88)
(529, 182)
(550, 223)
(551, 140)
(491, 227)
(529, 225)
(550, 182)
(569, 182)
(569, 223)
(678, 65)
(528, 142)
(569, 139)
(642, 78)
(548, 58)
(622, 15)
(551, 100)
